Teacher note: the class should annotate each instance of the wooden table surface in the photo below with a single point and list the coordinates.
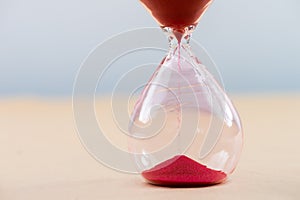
(42, 157)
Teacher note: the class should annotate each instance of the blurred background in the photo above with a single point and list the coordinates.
(255, 44)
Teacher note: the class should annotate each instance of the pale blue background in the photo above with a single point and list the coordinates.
(256, 43)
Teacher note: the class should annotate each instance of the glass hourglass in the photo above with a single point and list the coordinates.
(190, 133)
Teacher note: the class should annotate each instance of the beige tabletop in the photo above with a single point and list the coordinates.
(41, 156)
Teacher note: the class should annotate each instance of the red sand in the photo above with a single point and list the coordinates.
(177, 14)
(183, 171)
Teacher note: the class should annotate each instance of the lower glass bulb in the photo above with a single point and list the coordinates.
(189, 132)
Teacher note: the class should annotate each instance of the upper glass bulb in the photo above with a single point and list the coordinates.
(176, 14)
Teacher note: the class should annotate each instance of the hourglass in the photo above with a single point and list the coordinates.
(190, 133)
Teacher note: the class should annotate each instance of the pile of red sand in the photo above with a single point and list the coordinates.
(183, 171)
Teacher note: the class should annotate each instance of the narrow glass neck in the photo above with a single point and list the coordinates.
(179, 37)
